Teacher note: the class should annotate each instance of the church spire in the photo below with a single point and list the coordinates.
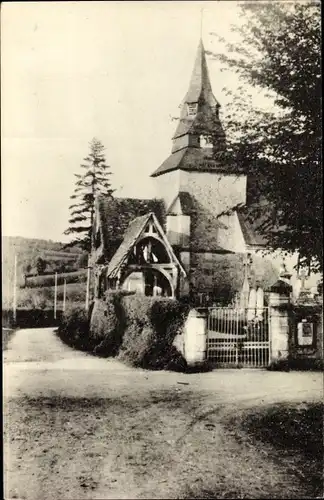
(199, 132)
(200, 82)
(199, 105)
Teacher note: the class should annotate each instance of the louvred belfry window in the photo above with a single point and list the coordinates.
(192, 109)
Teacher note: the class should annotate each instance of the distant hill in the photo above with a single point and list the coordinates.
(28, 250)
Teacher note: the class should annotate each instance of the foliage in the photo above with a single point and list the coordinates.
(30, 318)
(74, 328)
(94, 181)
(27, 251)
(41, 265)
(291, 430)
(82, 261)
(43, 297)
(279, 148)
(49, 280)
(104, 328)
(151, 327)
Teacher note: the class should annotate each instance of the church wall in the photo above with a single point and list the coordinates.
(167, 186)
(178, 229)
(231, 237)
(215, 191)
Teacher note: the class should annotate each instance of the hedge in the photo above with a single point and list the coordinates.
(49, 280)
(30, 318)
(107, 324)
(139, 330)
(151, 325)
(74, 328)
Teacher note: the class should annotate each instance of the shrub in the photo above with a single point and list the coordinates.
(107, 323)
(30, 318)
(279, 365)
(74, 329)
(151, 327)
(307, 364)
(49, 280)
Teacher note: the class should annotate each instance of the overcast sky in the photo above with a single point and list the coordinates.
(74, 70)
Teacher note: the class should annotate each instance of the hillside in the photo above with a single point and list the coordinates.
(28, 250)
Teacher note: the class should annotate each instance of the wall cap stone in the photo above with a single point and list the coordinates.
(281, 287)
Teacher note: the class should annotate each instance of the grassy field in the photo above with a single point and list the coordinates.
(43, 297)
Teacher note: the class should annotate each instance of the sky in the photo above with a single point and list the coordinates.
(72, 71)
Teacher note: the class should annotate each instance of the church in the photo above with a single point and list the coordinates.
(190, 239)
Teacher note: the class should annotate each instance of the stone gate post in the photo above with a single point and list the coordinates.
(279, 300)
(195, 337)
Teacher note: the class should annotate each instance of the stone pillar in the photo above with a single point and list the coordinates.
(195, 338)
(279, 299)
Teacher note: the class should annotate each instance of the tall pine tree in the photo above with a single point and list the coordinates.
(95, 180)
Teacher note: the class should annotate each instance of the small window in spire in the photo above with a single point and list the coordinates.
(192, 109)
(205, 142)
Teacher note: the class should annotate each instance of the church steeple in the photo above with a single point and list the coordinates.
(198, 123)
(199, 109)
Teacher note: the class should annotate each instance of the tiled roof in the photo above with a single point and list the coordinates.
(130, 237)
(200, 91)
(200, 81)
(115, 215)
(193, 159)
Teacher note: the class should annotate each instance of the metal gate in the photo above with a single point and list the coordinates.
(238, 337)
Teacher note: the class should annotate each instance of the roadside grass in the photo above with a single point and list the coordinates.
(7, 334)
(289, 434)
(148, 443)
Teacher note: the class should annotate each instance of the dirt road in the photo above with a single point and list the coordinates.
(79, 427)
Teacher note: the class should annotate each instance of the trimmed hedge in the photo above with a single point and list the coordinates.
(151, 325)
(30, 318)
(107, 324)
(74, 328)
(139, 330)
(49, 280)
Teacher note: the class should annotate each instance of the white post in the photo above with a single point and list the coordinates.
(55, 296)
(64, 294)
(88, 286)
(15, 292)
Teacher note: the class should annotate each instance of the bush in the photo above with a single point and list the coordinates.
(49, 280)
(279, 365)
(107, 323)
(151, 327)
(307, 364)
(74, 329)
(30, 318)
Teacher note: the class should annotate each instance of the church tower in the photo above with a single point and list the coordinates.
(196, 186)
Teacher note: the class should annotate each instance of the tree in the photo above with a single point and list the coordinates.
(41, 265)
(26, 270)
(279, 148)
(82, 261)
(88, 185)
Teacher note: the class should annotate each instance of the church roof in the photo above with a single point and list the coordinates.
(199, 90)
(132, 233)
(192, 159)
(200, 81)
(115, 215)
(251, 217)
